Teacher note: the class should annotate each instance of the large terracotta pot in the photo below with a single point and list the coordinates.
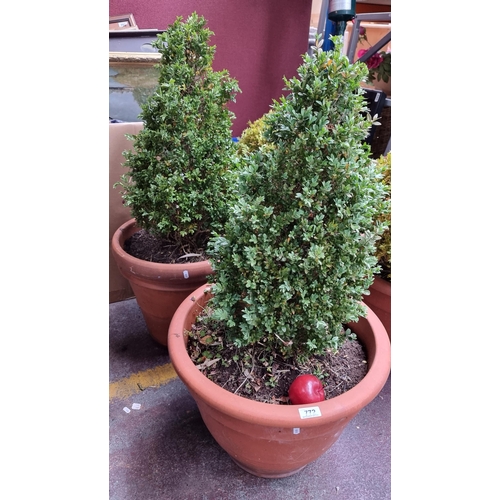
(159, 288)
(269, 440)
(379, 301)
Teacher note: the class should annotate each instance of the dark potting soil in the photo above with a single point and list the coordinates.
(145, 246)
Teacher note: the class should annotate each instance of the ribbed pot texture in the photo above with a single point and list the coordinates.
(159, 288)
(268, 440)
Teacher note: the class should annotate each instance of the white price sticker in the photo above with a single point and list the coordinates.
(310, 412)
(186, 274)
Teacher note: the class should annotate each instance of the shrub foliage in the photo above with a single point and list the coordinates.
(298, 251)
(252, 138)
(180, 170)
(383, 248)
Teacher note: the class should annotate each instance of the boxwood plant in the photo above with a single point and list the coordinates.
(298, 251)
(180, 171)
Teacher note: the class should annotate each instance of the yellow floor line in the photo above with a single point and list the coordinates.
(137, 382)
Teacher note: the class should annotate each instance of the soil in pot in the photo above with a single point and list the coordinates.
(251, 373)
(146, 246)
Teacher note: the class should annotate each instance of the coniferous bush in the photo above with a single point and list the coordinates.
(297, 254)
(180, 173)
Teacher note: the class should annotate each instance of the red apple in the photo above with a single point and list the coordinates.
(306, 389)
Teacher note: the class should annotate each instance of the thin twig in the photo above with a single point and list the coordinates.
(186, 256)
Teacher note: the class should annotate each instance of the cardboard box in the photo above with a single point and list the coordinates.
(119, 287)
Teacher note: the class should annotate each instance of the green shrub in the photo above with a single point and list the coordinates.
(383, 247)
(252, 138)
(297, 254)
(181, 169)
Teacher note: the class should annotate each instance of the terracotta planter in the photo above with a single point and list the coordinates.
(379, 301)
(269, 440)
(159, 288)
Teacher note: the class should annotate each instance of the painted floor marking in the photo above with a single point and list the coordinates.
(137, 382)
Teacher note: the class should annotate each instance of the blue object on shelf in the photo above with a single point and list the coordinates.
(329, 30)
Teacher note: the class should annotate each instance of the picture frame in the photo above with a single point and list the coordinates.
(123, 22)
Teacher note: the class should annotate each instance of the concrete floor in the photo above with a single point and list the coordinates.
(163, 450)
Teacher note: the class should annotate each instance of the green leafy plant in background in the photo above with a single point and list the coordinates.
(180, 172)
(383, 247)
(252, 138)
(297, 253)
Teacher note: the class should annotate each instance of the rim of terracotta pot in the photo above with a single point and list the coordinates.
(269, 414)
(148, 270)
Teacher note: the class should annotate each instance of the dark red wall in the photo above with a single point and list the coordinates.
(258, 42)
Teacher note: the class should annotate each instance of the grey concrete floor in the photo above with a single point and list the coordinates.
(164, 451)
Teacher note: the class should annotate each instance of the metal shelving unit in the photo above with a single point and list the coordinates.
(353, 41)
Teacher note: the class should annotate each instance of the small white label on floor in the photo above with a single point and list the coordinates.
(186, 274)
(136, 406)
(126, 410)
(310, 412)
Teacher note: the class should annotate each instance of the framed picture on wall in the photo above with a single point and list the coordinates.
(123, 22)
